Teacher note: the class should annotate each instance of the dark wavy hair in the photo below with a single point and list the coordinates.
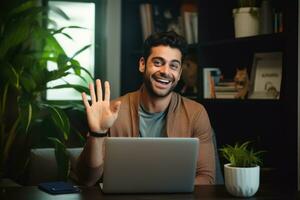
(169, 38)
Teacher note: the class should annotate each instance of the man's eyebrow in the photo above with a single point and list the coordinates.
(161, 58)
(157, 57)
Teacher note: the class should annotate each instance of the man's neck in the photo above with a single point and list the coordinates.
(154, 104)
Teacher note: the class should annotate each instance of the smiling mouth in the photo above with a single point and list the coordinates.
(162, 81)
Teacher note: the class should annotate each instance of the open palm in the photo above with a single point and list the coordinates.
(101, 115)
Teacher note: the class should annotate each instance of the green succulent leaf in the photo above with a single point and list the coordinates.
(240, 155)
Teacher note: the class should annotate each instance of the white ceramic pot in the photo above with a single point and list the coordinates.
(241, 182)
(246, 21)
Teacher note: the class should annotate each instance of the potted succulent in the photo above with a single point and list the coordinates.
(243, 170)
(246, 18)
(26, 45)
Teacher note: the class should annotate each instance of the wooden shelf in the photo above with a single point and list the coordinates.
(241, 102)
(276, 38)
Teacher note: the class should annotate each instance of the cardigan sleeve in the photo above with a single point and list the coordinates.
(205, 173)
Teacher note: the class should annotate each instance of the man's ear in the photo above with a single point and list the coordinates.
(142, 64)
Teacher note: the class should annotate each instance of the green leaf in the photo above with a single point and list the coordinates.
(66, 27)
(51, 44)
(55, 74)
(60, 12)
(29, 117)
(11, 138)
(81, 50)
(67, 35)
(14, 77)
(240, 155)
(3, 101)
(62, 159)
(62, 61)
(15, 36)
(86, 71)
(78, 88)
(60, 120)
(82, 140)
(28, 82)
(23, 7)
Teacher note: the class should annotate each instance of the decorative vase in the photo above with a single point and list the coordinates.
(241, 181)
(246, 21)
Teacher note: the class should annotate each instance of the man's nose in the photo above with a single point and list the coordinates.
(164, 69)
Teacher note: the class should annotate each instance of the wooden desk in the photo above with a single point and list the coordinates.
(94, 193)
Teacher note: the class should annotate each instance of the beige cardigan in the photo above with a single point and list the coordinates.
(185, 118)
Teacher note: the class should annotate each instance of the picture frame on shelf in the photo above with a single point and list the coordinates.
(266, 75)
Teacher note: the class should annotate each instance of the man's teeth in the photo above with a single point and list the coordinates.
(163, 81)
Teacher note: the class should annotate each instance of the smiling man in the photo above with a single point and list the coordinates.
(152, 111)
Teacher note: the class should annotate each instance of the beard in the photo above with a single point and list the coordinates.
(152, 90)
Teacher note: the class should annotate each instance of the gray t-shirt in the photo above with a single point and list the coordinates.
(151, 124)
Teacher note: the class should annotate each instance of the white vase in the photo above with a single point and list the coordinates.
(246, 21)
(241, 182)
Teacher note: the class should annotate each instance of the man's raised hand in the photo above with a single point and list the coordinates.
(100, 114)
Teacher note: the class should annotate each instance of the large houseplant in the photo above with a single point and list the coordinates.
(242, 171)
(26, 45)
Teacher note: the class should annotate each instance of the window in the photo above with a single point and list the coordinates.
(81, 14)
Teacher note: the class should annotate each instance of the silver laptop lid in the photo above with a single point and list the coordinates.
(150, 165)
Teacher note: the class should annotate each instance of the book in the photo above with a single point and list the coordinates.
(189, 13)
(225, 86)
(226, 95)
(209, 82)
(146, 19)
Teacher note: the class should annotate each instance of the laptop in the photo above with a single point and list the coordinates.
(150, 165)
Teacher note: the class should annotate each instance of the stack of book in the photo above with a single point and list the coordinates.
(225, 90)
(215, 87)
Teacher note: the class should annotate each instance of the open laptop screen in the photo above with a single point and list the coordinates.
(150, 165)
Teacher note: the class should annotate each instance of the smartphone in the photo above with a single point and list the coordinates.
(58, 187)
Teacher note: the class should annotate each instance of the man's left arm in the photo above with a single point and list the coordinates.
(205, 173)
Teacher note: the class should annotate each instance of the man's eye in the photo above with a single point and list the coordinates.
(174, 66)
(157, 62)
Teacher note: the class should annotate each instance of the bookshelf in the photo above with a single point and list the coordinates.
(271, 124)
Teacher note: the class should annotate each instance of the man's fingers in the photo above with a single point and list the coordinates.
(92, 92)
(99, 89)
(85, 100)
(107, 91)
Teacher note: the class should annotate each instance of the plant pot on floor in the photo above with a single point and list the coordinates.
(246, 21)
(241, 181)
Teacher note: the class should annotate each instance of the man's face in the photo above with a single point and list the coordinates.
(162, 70)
